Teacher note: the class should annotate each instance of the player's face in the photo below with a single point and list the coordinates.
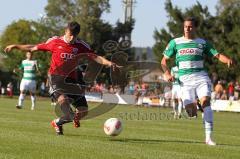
(69, 37)
(189, 29)
(29, 55)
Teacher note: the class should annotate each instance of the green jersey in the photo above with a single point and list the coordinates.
(189, 54)
(29, 68)
(174, 73)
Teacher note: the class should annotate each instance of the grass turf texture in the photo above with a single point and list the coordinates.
(26, 134)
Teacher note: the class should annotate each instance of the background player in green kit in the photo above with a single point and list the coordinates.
(176, 94)
(28, 82)
(189, 51)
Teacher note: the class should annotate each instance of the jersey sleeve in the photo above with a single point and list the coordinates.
(87, 49)
(172, 73)
(36, 64)
(48, 45)
(21, 66)
(170, 49)
(210, 50)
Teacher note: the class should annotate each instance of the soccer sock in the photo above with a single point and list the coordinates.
(208, 122)
(62, 120)
(21, 99)
(174, 106)
(179, 108)
(33, 99)
(68, 114)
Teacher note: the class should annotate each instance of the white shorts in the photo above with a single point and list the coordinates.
(176, 92)
(195, 85)
(28, 85)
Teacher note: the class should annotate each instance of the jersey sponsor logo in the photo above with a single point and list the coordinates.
(67, 56)
(190, 51)
(29, 67)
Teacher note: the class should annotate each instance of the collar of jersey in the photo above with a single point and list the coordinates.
(64, 39)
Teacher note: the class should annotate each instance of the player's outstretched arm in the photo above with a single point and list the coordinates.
(224, 59)
(103, 61)
(16, 70)
(20, 47)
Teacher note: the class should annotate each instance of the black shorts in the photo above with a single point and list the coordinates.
(57, 87)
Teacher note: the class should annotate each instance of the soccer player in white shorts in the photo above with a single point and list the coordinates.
(28, 82)
(176, 94)
(189, 51)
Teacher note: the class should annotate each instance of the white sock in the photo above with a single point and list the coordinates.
(20, 99)
(179, 108)
(33, 99)
(174, 107)
(208, 122)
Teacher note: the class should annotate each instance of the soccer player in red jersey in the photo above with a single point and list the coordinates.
(67, 51)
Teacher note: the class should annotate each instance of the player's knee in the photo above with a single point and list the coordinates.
(191, 110)
(62, 99)
(205, 101)
(22, 92)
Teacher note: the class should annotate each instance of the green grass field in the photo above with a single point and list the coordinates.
(26, 134)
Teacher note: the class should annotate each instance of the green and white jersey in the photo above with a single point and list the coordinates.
(174, 73)
(29, 68)
(189, 54)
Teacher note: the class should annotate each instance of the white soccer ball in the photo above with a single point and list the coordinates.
(112, 127)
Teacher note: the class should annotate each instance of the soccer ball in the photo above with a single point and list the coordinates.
(112, 127)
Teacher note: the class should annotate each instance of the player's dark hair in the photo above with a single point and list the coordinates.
(192, 19)
(74, 27)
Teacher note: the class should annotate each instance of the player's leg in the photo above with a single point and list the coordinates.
(198, 103)
(175, 107)
(80, 103)
(191, 110)
(174, 102)
(63, 101)
(33, 99)
(188, 98)
(22, 94)
(21, 99)
(32, 90)
(180, 105)
(204, 94)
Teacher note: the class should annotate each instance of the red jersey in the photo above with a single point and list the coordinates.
(65, 56)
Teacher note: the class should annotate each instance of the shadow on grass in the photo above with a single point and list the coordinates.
(132, 140)
(155, 141)
(234, 145)
(142, 141)
(150, 141)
